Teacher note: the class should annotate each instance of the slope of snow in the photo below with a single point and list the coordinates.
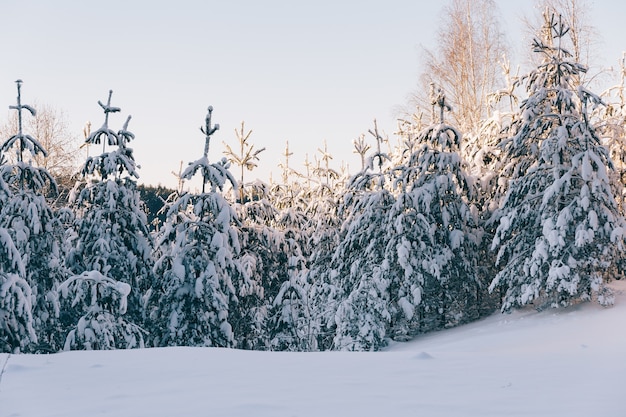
(568, 362)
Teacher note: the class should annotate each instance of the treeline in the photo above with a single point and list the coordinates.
(434, 231)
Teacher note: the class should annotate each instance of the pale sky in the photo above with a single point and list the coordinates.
(302, 72)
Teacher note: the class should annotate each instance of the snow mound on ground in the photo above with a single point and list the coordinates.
(423, 355)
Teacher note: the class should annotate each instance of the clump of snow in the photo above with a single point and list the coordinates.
(407, 308)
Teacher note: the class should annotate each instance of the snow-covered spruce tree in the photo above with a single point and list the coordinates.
(350, 290)
(300, 219)
(260, 258)
(270, 258)
(559, 227)
(430, 255)
(110, 232)
(16, 299)
(31, 240)
(289, 313)
(192, 298)
(259, 253)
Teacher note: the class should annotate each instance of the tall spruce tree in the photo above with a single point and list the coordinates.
(192, 298)
(349, 289)
(559, 227)
(31, 239)
(109, 238)
(433, 235)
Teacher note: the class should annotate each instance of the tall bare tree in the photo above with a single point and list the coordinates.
(470, 42)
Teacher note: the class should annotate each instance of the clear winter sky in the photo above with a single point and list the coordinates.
(295, 71)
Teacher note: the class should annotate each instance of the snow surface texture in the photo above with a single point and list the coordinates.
(566, 362)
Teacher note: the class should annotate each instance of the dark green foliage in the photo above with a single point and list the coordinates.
(154, 200)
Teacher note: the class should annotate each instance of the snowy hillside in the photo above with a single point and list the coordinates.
(568, 362)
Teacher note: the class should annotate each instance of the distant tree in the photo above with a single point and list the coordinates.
(480, 147)
(52, 131)
(287, 170)
(361, 148)
(612, 127)
(583, 37)
(308, 218)
(470, 42)
(246, 157)
(559, 228)
(322, 170)
(154, 200)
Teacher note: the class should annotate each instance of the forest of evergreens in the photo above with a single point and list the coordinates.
(458, 217)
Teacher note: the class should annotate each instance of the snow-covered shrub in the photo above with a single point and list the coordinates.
(102, 302)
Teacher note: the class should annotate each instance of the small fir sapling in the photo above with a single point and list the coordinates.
(432, 234)
(246, 158)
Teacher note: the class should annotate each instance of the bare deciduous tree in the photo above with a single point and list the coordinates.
(470, 43)
(574, 13)
(51, 129)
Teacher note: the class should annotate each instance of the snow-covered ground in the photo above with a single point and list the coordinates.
(567, 362)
